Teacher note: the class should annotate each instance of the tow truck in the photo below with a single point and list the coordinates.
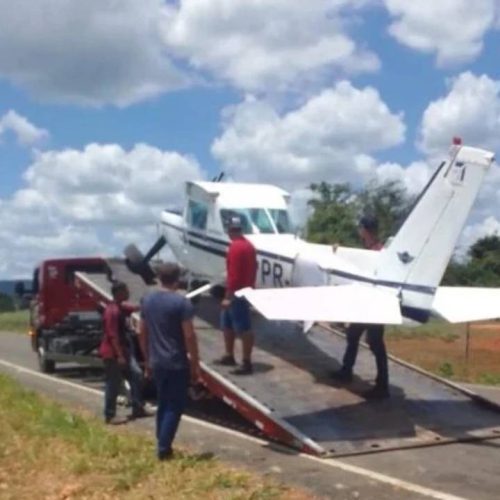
(65, 322)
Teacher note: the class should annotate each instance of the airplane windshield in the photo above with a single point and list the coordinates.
(281, 220)
(257, 220)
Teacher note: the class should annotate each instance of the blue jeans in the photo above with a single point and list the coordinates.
(172, 395)
(114, 375)
(375, 340)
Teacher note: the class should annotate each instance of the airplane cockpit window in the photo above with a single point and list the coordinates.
(258, 220)
(227, 215)
(197, 214)
(281, 220)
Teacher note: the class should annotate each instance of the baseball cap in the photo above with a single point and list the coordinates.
(235, 223)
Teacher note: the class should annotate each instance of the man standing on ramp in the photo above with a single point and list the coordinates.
(368, 232)
(241, 266)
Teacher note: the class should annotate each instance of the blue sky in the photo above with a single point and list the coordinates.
(106, 108)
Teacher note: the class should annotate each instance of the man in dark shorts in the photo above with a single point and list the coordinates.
(167, 340)
(241, 266)
(116, 354)
(368, 232)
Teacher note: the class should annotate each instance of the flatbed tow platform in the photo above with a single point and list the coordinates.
(291, 398)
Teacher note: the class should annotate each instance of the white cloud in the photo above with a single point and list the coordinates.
(267, 45)
(107, 184)
(470, 110)
(452, 29)
(25, 132)
(80, 202)
(413, 178)
(92, 52)
(487, 226)
(328, 138)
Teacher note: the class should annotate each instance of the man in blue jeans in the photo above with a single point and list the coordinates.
(117, 356)
(170, 350)
(368, 233)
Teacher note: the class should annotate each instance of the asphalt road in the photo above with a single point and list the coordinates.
(458, 470)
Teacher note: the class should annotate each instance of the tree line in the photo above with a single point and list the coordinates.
(336, 209)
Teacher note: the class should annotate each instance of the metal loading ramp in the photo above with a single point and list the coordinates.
(291, 398)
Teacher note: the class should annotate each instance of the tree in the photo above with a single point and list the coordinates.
(481, 268)
(334, 216)
(338, 207)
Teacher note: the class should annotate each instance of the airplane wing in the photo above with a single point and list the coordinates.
(344, 304)
(462, 304)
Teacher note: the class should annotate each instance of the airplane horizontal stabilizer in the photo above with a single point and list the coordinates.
(339, 304)
(462, 304)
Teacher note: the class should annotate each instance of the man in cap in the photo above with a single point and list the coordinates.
(241, 267)
(368, 232)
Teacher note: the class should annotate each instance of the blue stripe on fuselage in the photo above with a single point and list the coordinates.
(280, 258)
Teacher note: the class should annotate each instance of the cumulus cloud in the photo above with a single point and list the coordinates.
(26, 133)
(107, 184)
(89, 201)
(451, 29)
(471, 110)
(267, 45)
(93, 52)
(487, 226)
(327, 138)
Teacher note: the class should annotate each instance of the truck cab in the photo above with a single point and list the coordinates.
(65, 324)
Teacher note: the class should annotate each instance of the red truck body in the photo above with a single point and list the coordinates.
(65, 324)
(55, 292)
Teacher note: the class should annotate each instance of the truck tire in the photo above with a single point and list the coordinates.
(218, 292)
(46, 365)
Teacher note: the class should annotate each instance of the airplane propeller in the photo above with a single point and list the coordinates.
(139, 264)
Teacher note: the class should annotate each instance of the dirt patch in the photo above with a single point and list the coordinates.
(448, 354)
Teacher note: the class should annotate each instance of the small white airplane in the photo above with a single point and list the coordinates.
(302, 281)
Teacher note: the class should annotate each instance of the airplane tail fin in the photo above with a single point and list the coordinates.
(419, 253)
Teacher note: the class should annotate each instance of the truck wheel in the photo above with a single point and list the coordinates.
(218, 292)
(46, 365)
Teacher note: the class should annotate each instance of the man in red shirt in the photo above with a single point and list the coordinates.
(241, 267)
(115, 352)
(368, 232)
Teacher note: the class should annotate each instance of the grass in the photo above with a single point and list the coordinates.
(16, 322)
(47, 451)
(441, 348)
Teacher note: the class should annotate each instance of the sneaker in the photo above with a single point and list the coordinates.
(142, 413)
(167, 455)
(341, 375)
(226, 360)
(377, 392)
(245, 369)
(116, 420)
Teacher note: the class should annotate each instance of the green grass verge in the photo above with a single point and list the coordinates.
(46, 449)
(16, 322)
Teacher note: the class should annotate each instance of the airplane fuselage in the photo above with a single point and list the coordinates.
(284, 260)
